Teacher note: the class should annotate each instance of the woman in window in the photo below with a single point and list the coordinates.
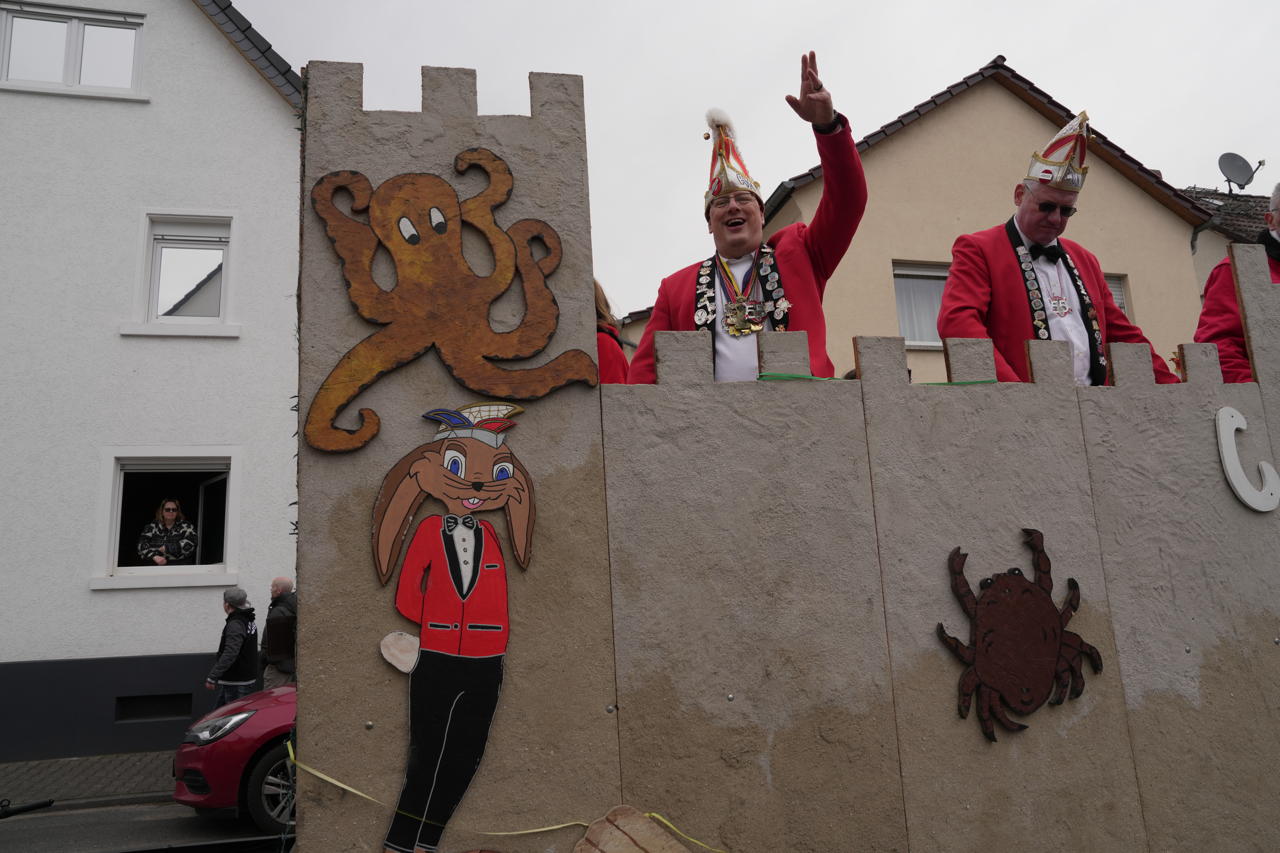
(170, 540)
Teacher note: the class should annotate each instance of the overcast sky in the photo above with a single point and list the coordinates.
(1175, 84)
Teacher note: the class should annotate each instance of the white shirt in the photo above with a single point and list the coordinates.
(1054, 279)
(737, 356)
(464, 541)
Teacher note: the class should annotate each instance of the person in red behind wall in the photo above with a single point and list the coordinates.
(1220, 315)
(1020, 281)
(751, 284)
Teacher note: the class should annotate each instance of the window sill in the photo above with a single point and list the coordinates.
(75, 91)
(181, 330)
(924, 345)
(149, 581)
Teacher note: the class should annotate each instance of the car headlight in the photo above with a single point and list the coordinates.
(207, 731)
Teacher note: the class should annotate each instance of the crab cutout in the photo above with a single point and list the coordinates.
(1020, 653)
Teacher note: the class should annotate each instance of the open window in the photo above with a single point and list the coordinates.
(142, 484)
(66, 50)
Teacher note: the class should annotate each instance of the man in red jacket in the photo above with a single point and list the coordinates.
(1018, 281)
(1220, 315)
(749, 285)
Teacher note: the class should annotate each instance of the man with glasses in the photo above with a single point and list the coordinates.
(1019, 281)
(1220, 315)
(750, 285)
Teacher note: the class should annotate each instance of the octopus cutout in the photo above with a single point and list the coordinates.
(437, 300)
(1020, 652)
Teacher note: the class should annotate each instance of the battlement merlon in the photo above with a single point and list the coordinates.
(555, 100)
(1259, 302)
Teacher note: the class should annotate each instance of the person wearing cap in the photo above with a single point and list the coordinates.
(236, 669)
(749, 284)
(1020, 281)
(1220, 315)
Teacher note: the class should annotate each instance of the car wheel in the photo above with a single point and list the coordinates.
(269, 794)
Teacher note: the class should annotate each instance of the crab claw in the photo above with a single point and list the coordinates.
(1033, 537)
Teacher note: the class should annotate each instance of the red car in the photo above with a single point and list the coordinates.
(235, 758)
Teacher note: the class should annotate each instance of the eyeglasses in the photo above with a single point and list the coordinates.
(741, 199)
(1066, 210)
(171, 509)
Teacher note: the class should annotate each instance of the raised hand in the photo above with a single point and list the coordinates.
(814, 102)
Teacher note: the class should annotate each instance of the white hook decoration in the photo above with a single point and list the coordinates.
(1263, 500)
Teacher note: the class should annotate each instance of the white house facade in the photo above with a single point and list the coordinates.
(148, 266)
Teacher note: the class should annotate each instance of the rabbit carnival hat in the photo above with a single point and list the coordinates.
(1061, 164)
(728, 172)
(483, 421)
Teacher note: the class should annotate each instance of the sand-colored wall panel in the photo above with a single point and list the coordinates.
(551, 755)
(1195, 602)
(753, 681)
(970, 466)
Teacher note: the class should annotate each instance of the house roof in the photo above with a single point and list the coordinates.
(1235, 215)
(1039, 100)
(256, 49)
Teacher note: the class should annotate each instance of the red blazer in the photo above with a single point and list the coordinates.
(613, 362)
(469, 623)
(807, 256)
(1220, 321)
(985, 297)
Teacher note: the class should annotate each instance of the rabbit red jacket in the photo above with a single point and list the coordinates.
(466, 620)
(806, 255)
(985, 297)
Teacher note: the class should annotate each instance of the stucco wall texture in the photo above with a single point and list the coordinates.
(730, 613)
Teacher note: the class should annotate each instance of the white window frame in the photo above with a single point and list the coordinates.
(1120, 283)
(165, 228)
(73, 52)
(115, 462)
(917, 269)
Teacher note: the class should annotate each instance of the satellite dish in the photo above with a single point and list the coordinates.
(1236, 170)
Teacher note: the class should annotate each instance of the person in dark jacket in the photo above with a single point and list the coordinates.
(278, 635)
(170, 540)
(236, 670)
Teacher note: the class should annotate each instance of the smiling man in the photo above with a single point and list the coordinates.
(750, 285)
(1020, 281)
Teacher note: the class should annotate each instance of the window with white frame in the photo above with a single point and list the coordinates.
(195, 540)
(917, 290)
(73, 51)
(187, 269)
(1119, 286)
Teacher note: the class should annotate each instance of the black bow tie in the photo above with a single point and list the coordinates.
(1053, 253)
(452, 521)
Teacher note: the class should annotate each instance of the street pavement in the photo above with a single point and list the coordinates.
(96, 779)
(137, 828)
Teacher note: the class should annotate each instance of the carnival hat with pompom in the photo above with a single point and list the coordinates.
(728, 172)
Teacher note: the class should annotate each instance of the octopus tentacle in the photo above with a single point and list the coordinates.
(477, 211)
(542, 314)
(484, 377)
(380, 353)
(355, 243)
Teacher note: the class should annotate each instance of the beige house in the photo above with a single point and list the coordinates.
(949, 167)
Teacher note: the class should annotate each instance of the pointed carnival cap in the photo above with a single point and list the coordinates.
(1061, 165)
(483, 421)
(728, 173)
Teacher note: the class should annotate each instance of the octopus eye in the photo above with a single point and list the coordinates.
(984, 583)
(455, 463)
(502, 471)
(1017, 572)
(407, 231)
(437, 221)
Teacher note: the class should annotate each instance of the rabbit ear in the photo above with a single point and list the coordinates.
(398, 499)
(520, 514)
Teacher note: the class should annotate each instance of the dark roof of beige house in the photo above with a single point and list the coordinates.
(998, 72)
(1235, 215)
